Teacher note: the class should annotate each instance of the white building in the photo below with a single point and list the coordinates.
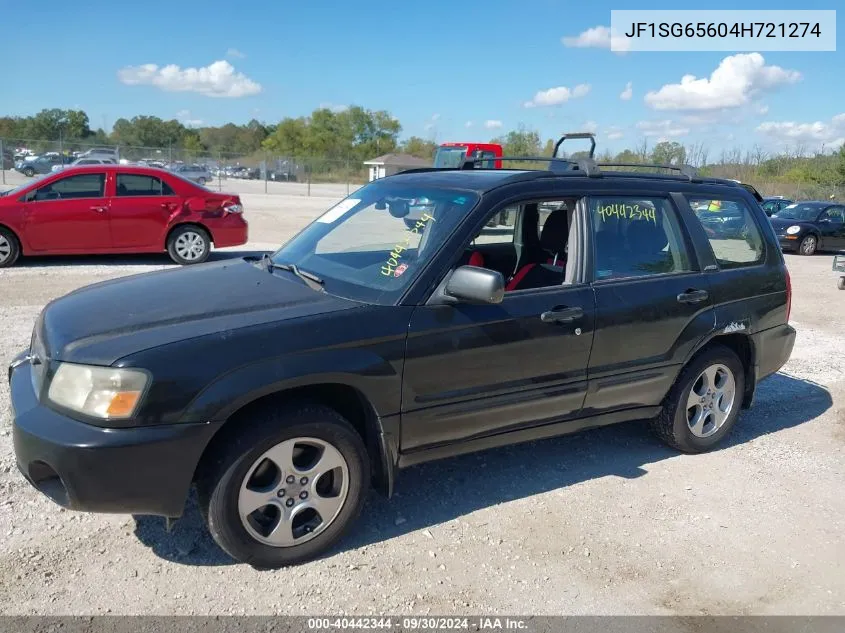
(390, 164)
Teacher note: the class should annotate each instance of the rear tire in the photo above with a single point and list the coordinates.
(201, 181)
(699, 411)
(189, 244)
(841, 283)
(244, 474)
(10, 248)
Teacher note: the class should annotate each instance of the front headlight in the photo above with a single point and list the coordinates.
(109, 393)
(792, 230)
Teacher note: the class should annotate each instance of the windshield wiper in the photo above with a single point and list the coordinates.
(311, 280)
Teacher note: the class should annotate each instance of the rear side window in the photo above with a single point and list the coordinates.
(636, 237)
(734, 236)
(80, 186)
(140, 185)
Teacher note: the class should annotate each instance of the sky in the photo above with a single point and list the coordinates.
(449, 71)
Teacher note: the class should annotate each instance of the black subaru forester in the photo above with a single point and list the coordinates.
(284, 386)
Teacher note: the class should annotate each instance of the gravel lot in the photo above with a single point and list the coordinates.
(604, 522)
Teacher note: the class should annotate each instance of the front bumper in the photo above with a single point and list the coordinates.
(141, 470)
(788, 244)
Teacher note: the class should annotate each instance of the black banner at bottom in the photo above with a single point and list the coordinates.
(422, 624)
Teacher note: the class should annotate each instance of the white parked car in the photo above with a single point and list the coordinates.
(85, 161)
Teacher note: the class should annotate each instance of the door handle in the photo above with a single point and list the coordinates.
(693, 296)
(98, 209)
(562, 315)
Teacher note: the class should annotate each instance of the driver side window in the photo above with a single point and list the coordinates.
(79, 186)
(538, 259)
(836, 215)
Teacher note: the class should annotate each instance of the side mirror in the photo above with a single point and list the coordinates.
(470, 284)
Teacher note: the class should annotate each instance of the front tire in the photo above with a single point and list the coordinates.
(704, 403)
(29, 172)
(284, 490)
(808, 245)
(189, 244)
(841, 283)
(201, 181)
(10, 248)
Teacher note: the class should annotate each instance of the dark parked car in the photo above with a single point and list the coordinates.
(807, 227)
(284, 386)
(42, 164)
(773, 204)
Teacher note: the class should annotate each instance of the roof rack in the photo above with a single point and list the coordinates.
(685, 170)
(587, 165)
(576, 135)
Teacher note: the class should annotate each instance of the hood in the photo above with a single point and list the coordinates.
(781, 224)
(104, 322)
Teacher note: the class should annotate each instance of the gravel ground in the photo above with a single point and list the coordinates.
(603, 522)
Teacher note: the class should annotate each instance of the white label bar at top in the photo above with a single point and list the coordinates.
(722, 30)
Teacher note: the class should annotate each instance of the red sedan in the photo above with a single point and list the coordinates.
(117, 209)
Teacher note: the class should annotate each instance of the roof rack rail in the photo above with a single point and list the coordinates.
(685, 170)
(576, 135)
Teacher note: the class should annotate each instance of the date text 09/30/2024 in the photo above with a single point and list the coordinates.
(417, 624)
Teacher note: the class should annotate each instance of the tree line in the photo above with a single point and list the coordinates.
(356, 134)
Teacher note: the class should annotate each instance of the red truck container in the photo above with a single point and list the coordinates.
(450, 154)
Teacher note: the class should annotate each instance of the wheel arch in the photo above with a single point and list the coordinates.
(743, 346)
(14, 235)
(347, 400)
(193, 223)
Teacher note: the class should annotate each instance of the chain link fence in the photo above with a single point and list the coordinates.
(27, 158)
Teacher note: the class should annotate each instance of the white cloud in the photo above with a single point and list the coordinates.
(218, 79)
(337, 108)
(613, 133)
(590, 126)
(184, 117)
(432, 122)
(763, 109)
(663, 129)
(235, 53)
(557, 96)
(626, 94)
(469, 124)
(830, 133)
(598, 37)
(492, 124)
(736, 82)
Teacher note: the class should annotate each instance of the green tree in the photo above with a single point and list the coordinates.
(840, 166)
(76, 125)
(520, 142)
(419, 147)
(669, 153)
(191, 143)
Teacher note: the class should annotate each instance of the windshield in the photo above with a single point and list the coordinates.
(803, 212)
(447, 157)
(371, 246)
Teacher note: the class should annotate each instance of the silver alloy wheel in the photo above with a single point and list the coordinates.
(711, 400)
(293, 492)
(808, 245)
(190, 245)
(5, 249)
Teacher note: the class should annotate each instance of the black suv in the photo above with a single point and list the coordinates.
(283, 387)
